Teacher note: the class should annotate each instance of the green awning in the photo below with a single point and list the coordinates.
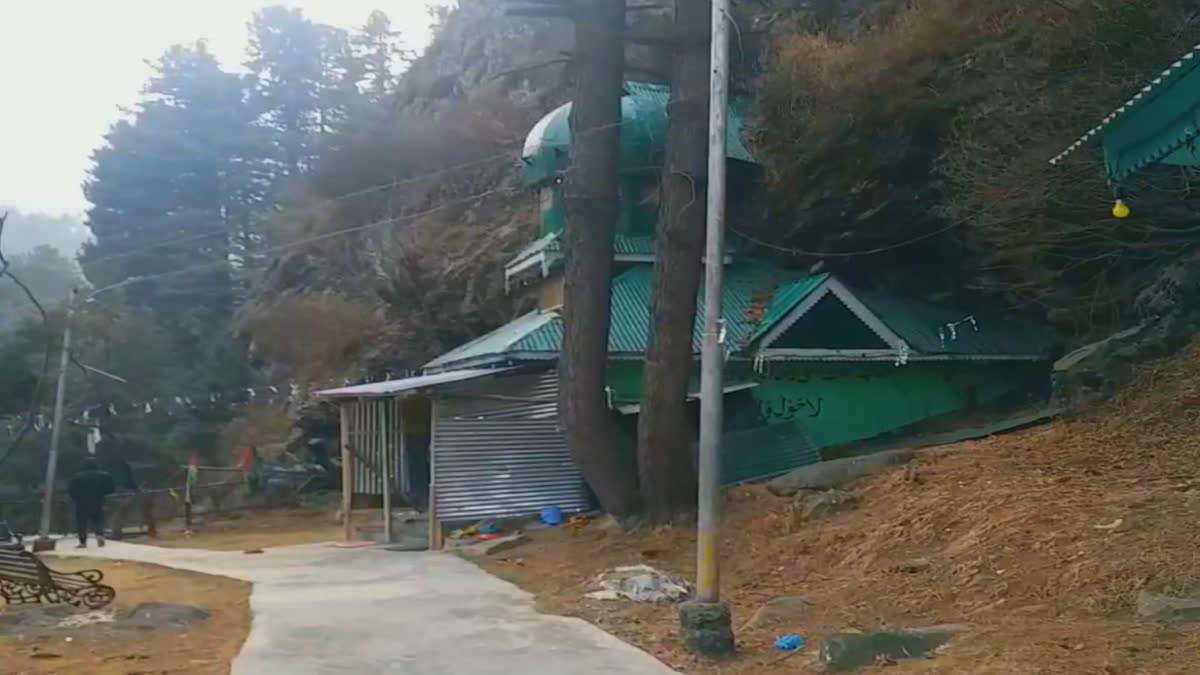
(1159, 124)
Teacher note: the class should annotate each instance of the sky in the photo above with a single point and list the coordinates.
(68, 67)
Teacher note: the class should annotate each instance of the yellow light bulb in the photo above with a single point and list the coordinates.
(1121, 210)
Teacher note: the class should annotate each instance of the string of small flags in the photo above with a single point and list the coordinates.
(291, 393)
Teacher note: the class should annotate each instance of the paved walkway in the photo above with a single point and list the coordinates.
(319, 609)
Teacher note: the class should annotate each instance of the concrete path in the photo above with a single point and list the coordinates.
(319, 609)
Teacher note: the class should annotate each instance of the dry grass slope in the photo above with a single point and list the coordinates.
(1038, 540)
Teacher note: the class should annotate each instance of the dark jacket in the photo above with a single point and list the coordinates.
(90, 486)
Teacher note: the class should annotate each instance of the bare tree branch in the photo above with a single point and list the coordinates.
(31, 415)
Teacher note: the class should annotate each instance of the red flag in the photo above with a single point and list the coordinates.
(247, 462)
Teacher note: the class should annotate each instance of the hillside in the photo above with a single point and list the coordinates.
(1039, 541)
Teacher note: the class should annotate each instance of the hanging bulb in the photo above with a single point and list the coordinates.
(1121, 210)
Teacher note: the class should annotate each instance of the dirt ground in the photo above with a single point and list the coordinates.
(205, 648)
(237, 532)
(1039, 541)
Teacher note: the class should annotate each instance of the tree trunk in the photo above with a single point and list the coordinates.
(665, 435)
(591, 202)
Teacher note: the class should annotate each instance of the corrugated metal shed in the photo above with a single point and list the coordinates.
(498, 451)
(409, 385)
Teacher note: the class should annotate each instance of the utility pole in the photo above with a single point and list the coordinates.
(44, 542)
(707, 625)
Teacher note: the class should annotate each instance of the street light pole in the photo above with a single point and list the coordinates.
(44, 542)
(707, 622)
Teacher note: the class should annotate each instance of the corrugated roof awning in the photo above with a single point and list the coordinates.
(1158, 124)
(410, 385)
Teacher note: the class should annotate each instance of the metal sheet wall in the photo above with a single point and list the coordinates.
(498, 450)
(374, 434)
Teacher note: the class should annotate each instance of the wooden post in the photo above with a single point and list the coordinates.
(435, 526)
(386, 457)
(347, 473)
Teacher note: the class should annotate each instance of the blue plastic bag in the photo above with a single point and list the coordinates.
(552, 516)
(789, 643)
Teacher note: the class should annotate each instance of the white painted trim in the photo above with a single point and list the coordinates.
(881, 355)
(849, 301)
(865, 315)
(794, 315)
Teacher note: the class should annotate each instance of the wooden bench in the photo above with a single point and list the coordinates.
(25, 579)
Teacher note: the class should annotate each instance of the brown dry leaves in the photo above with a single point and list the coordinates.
(1020, 532)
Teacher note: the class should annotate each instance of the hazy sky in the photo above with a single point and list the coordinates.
(67, 67)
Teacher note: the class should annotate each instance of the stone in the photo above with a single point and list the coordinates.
(1168, 608)
(816, 505)
(913, 566)
(836, 473)
(480, 549)
(786, 610)
(1169, 316)
(156, 615)
(846, 651)
(707, 628)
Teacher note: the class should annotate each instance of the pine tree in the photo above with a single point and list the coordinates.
(377, 48)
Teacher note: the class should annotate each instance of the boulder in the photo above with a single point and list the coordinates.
(786, 610)
(1169, 316)
(1168, 608)
(836, 473)
(846, 651)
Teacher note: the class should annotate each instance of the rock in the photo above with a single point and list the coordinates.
(785, 610)
(836, 473)
(810, 505)
(914, 566)
(847, 651)
(155, 615)
(1168, 608)
(1169, 312)
(816, 505)
(639, 583)
(480, 549)
(707, 628)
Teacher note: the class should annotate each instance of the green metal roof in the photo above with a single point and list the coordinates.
(757, 298)
(495, 343)
(787, 297)
(934, 330)
(643, 134)
(747, 285)
(1158, 124)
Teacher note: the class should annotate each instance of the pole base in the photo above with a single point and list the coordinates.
(43, 544)
(707, 628)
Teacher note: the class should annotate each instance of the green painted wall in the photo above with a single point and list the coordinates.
(842, 403)
(639, 206)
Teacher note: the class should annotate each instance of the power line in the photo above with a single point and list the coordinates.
(506, 154)
(303, 242)
(842, 254)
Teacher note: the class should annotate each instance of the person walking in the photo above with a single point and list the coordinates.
(88, 489)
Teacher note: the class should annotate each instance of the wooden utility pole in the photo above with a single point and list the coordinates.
(706, 621)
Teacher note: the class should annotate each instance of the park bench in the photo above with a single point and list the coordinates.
(25, 579)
